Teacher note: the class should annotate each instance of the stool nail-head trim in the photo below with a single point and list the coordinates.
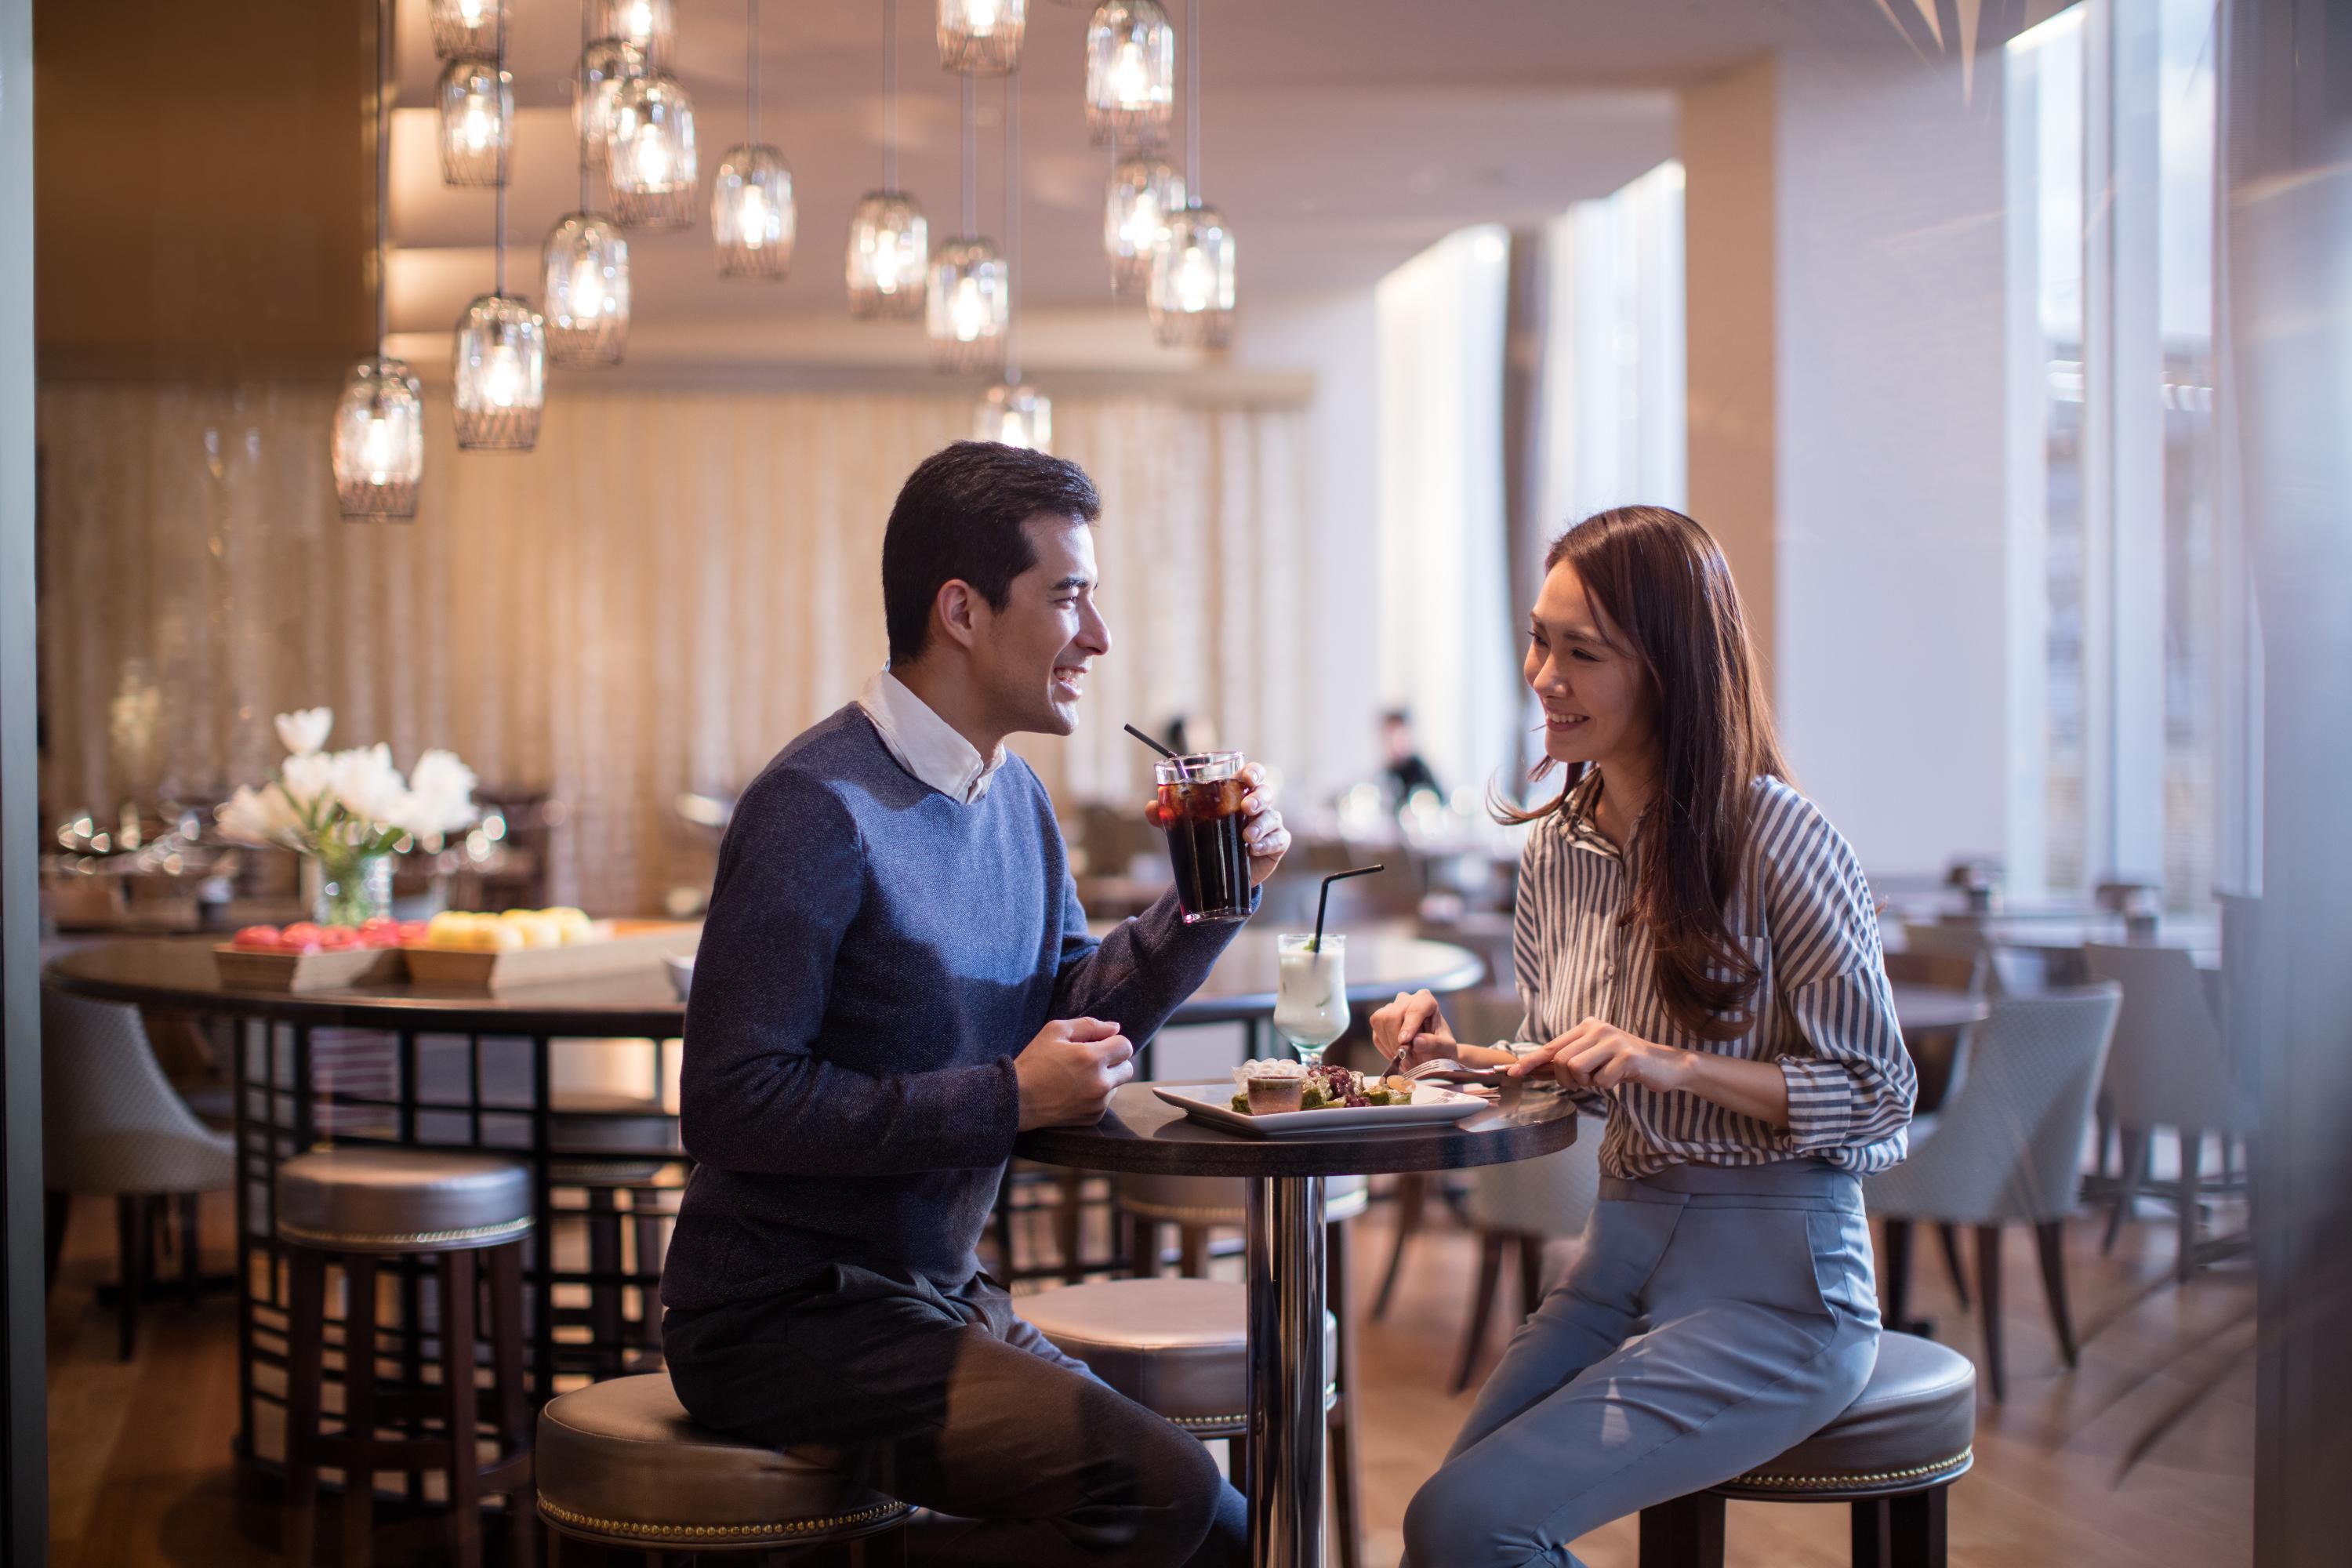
(633, 1530)
(1860, 1478)
(480, 1234)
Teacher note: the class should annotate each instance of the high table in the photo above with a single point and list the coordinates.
(454, 1070)
(1142, 1134)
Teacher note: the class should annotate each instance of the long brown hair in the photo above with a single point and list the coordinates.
(1662, 580)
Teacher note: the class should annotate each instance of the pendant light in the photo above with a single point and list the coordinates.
(965, 301)
(1143, 191)
(981, 37)
(1191, 295)
(751, 218)
(1131, 74)
(477, 121)
(499, 367)
(652, 164)
(467, 26)
(584, 265)
(379, 441)
(1011, 412)
(650, 25)
(889, 241)
(604, 65)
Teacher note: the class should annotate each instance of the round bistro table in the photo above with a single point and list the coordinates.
(1142, 1134)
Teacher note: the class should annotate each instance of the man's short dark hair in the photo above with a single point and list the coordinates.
(959, 515)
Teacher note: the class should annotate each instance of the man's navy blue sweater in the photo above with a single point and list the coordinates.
(875, 956)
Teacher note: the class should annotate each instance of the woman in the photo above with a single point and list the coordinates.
(1698, 955)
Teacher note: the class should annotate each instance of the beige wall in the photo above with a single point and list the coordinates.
(1730, 234)
(668, 589)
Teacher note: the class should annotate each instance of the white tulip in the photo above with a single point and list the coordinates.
(440, 794)
(259, 816)
(305, 729)
(368, 785)
(308, 776)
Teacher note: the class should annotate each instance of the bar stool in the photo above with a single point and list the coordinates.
(1893, 1454)
(1180, 1349)
(350, 1206)
(610, 1144)
(620, 1464)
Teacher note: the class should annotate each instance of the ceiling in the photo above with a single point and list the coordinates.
(1340, 137)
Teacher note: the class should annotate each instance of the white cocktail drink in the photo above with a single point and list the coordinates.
(1310, 1010)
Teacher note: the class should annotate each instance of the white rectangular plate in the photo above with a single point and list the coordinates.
(1210, 1101)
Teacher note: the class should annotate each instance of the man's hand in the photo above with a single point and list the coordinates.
(1262, 827)
(1067, 1072)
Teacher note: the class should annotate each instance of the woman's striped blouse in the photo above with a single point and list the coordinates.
(1823, 1010)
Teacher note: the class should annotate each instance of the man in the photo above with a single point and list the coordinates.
(894, 979)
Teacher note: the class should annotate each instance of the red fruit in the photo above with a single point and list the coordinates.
(335, 938)
(412, 931)
(257, 939)
(377, 923)
(302, 936)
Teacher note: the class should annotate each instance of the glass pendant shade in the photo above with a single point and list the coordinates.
(1016, 416)
(889, 258)
(467, 26)
(967, 303)
(652, 167)
(1141, 195)
(604, 65)
(584, 280)
(1191, 294)
(379, 441)
(477, 122)
(981, 36)
(499, 375)
(751, 218)
(650, 25)
(1131, 74)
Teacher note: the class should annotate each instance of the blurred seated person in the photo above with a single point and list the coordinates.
(1407, 775)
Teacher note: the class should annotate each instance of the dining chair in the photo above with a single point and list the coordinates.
(112, 1124)
(2006, 1148)
(2171, 1069)
(1939, 1057)
(1520, 1206)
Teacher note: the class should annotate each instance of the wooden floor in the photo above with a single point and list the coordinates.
(140, 1452)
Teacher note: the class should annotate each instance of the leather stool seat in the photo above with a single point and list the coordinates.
(361, 1199)
(1225, 1200)
(1911, 1426)
(1177, 1347)
(620, 1462)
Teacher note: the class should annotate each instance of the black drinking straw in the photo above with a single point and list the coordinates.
(1158, 748)
(1323, 904)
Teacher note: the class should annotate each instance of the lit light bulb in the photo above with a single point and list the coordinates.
(969, 313)
(1144, 222)
(751, 217)
(892, 262)
(471, 10)
(1196, 280)
(588, 297)
(652, 162)
(1130, 77)
(476, 129)
(641, 21)
(502, 377)
(981, 15)
(377, 450)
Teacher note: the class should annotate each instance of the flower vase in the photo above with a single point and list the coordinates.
(347, 889)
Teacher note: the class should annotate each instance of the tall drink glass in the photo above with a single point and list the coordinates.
(1200, 805)
(1310, 1009)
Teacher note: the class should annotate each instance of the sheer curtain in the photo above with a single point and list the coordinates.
(667, 591)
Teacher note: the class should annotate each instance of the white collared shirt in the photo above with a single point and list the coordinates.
(925, 744)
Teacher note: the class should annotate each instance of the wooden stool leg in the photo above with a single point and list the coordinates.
(1193, 1251)
(1237, 1463)
(1916, 1529)
(306, 1326)
(131, 1242)
(1870, 1533)
(192, 1252)
(505, 1267)
(359, 1407)
(460, 1404)
(604, 1262)
(645, 1225)
(1686, 1532)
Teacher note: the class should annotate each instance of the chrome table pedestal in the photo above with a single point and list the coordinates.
(1287, 1376)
